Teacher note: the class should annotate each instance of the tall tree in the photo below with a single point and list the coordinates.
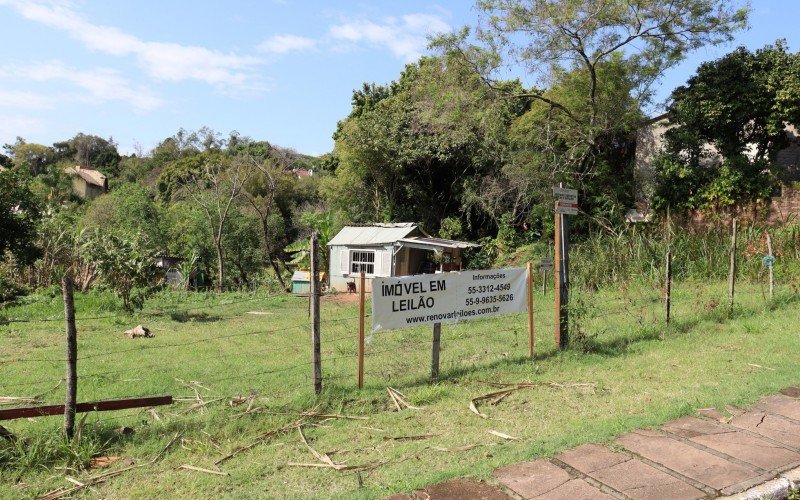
(215, 189)
(552, 38)
(261, 192)
(421, 138)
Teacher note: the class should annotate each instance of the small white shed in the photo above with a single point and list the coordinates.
(396, 249)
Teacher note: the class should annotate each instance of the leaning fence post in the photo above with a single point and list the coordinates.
(732, 273)
(668, 284)
(361, 313)
(315, 313)
(72, 355)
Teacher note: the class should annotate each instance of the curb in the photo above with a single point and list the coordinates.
(774, 489)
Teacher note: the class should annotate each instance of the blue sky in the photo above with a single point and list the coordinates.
(276, 70)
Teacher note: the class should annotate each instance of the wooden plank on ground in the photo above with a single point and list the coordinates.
(109, 405)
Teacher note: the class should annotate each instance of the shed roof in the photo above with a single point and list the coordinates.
(435, 244)
(373, 234)
(90, 175)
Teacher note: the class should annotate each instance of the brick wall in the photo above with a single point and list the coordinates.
(778, 211)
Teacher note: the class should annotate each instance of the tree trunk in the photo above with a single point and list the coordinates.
(268, 256)
(220, 266)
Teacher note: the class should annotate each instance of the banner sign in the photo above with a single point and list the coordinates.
(406, 301)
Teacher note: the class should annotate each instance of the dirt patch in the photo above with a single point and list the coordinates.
(457, 489)
(342, 298)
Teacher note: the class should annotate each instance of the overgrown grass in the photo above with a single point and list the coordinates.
(637, 253)
(631, 371)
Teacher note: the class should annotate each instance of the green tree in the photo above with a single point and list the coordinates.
(214, 190)
(271, 179)
(727, 125)
(30, 157)
(128, 210)
(423, 137)
(123, 263)
(585, 56)
(242, 247)
(92, 151)
(19, 213)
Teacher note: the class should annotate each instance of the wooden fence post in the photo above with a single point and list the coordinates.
(72, 355)
(544, 281)
(315, 313)
(561, 283)
(361, 313)
(668, 285)
(732, 272)
(531, 349)
(771, 268)
(437, 335)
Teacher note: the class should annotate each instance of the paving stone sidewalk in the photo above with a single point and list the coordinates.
(713, 454)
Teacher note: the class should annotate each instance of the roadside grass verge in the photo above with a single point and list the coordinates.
(626, 370)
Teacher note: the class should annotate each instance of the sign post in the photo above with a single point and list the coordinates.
(437, 335)
(566, 204)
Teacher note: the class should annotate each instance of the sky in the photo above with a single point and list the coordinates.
(275, 70)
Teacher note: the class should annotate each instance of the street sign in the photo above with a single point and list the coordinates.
(566, 194)
(546, 264)
(567, 200)
(567, 208)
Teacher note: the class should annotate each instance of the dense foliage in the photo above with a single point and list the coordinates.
(728, 124)
(449, 145)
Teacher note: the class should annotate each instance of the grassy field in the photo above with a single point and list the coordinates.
(626, 370)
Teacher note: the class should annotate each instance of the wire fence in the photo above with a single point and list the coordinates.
(234, 355)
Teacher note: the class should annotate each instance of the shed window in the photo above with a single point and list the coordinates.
(362, 260)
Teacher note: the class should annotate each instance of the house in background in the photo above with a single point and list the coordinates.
(302, 173)
(398, 249)
(87, 183)
(783, 206)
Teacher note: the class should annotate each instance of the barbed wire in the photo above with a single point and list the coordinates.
(153, 312)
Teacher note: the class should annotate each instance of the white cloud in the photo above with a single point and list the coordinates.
(406, 37)
(19, 126)
(102, 84)
(281, 44)
(164, 61)
(24, 100)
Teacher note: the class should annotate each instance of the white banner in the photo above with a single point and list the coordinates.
(406, 301)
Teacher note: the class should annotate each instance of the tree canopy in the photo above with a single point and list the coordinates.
(727, 125)
(410, 150)
(19, 213)
(592, 65)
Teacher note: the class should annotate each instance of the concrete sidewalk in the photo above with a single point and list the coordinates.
(752, 453)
